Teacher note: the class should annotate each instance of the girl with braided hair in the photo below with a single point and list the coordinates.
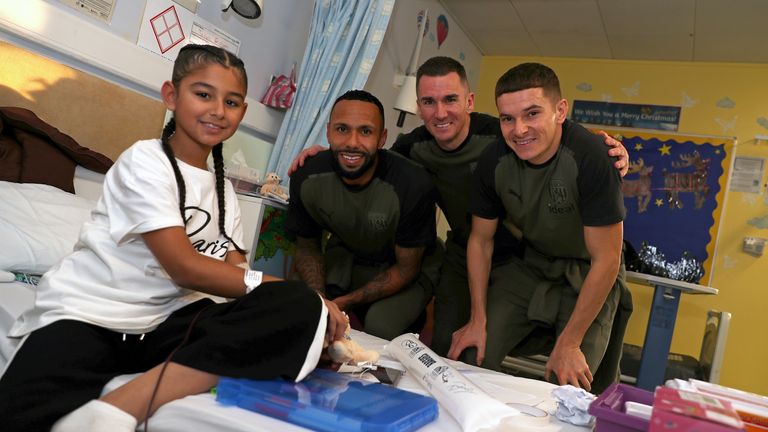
(135, 295)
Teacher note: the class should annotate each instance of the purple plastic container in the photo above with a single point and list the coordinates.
(609, 410)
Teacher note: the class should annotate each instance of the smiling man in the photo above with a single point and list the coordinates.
(364, 219)
(550, 182)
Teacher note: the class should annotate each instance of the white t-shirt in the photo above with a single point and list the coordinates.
(112, 279)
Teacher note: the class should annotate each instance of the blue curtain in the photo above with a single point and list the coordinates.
(344, 40)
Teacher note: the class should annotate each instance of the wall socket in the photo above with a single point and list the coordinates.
(754, 246)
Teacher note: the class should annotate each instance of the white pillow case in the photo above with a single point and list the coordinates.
(39, 225)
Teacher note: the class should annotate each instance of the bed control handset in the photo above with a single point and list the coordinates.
(7, 276)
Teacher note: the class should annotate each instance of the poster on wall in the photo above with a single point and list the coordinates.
(674, 194)
(624, 115)
(166, 27)
(747, 174)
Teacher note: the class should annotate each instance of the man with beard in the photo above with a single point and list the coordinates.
(364, 219)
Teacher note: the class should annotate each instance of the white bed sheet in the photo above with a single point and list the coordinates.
(15, 298)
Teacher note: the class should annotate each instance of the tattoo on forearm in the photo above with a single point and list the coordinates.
(408, 262)
(392, 280)
(310, 264)
(375, 289)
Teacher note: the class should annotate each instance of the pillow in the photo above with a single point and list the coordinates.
(48, 155)
(10, 159)
(51, 165)
(39, 225)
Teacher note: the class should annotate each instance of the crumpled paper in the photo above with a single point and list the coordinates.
(572, 405)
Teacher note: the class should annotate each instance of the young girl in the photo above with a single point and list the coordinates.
(132, 297)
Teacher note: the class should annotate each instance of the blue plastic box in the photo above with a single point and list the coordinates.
(329, 401)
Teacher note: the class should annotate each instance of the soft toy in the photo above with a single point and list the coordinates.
(348, 351)
(271, 186)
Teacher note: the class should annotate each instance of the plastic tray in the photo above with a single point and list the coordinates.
(609, 410)
(329, 401)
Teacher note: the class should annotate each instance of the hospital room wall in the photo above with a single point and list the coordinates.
(741, 278)
(109, 51)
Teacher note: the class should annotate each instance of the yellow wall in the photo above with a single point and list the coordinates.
(741, 278)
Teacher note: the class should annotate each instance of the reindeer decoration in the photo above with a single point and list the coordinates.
(694, 182)
(641, 187)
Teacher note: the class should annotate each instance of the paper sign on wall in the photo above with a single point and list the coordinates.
(747, 174)
(100, 9)
(166, 27)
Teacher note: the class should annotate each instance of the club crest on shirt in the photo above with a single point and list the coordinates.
(377, 221)
(559, 200)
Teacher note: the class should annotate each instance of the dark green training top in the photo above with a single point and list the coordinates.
(452, 173)
(397, 207)
(551, 203)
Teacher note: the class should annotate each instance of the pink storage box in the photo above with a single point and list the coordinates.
(610, 413)
(683, 411)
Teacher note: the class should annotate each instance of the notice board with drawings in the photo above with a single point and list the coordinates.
(675, 191)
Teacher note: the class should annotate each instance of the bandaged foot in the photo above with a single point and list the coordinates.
(348, 351)
(96, 416)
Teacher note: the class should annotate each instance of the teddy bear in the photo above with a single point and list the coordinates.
(348, 351)
(271, 186)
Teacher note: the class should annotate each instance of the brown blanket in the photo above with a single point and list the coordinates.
(32, 151)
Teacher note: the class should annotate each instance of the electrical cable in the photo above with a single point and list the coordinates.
(165, 365)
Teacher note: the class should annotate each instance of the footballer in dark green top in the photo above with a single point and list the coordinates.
(552, 201)
(552, 184)
(378, 211)
(396, 207)
(452, 170)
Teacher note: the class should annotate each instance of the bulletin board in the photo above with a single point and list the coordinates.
(98, 114)
(675, 191)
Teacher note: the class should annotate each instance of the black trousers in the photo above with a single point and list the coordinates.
(62, 366)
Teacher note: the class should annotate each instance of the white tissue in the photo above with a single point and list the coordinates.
(238, 168)
(238, 158)
(572, 405)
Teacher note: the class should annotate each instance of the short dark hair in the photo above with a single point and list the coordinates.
(441, 66)
(363, 96)
(529, 75)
